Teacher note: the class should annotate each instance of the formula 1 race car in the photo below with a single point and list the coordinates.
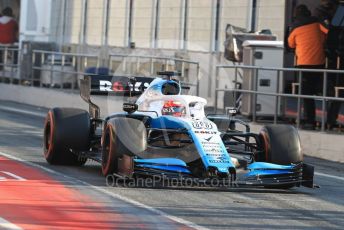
(166, 134)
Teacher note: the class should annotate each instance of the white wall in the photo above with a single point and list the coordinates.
(35, 20)
(94, 22)
(233, 12)
(143, 21)
(200, 25)
(73, 21)
(36, 16)
(118, 23)
(170, 24)
(271, 16)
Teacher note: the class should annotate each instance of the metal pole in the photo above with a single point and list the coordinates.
(5, 61)
(254, 104)
(63, 14)
(11, 67)
(216, 86)
(151, 66)
(166, 65)
(235, 86)
(130, 21)
(33, 66)
(185, 24)
(277, 97)
(52, 71)
(183, 70)
(62, 67)
(156, 25)
(324, 102)
(198, 80)
(299, 101)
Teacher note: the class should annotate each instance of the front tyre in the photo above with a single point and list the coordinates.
(66, 129)
(282, 146)
(121, 136)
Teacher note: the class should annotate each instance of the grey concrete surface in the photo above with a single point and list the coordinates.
(49, 98)
(213, 208)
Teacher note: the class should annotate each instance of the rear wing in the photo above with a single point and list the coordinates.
(111, 85)
(119, 85)
(127, 86)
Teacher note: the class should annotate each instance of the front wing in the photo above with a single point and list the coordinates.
(258, 174)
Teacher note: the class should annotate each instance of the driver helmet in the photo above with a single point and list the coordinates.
(173, 108)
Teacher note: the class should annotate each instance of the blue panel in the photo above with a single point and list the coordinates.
(267, 172)
(162, 161)
(171, 168)
(168, 122)
(209, 161)
(265, 165)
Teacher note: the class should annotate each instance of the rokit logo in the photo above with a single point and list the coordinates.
(118, 86)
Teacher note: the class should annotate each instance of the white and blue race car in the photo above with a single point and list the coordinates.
(166, 134)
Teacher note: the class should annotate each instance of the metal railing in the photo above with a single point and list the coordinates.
(61, 70)
(254, 92)
(9, 59)
(50, 69)
(136, 64)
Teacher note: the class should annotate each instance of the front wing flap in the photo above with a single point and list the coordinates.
(259, 174)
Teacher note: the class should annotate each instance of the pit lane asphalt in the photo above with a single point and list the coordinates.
(213, 208)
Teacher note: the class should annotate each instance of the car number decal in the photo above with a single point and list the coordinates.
(202, 125)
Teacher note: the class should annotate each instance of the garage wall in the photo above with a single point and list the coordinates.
(271, 15)
(143, 21)
(56, 20)
(200, 25)
(94, 22)
(73, 21)
(233, 12)
(201, 21)
(170, 27)
(118, 23)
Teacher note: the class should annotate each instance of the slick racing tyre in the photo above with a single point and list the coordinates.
(121, 136)
(66, 129)
(281, 144)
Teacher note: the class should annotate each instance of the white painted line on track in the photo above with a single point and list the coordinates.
(4, 224)
(329, 176)
(14, 176)
(116, 196)
(26, 112)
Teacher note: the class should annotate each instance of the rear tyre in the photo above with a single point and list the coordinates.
(65, 129)
(282, 146)
(121, 136)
